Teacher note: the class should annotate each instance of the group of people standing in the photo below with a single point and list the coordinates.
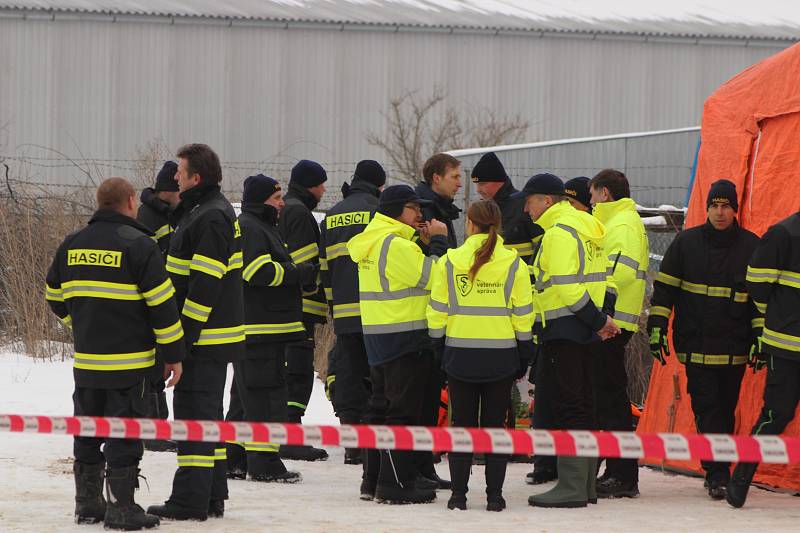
(551, 277)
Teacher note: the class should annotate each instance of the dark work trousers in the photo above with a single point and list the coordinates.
(300, 374)
(403, 382)
(202, 469)
(237, 459)
(429, 415)
(781, 396)
(479, 405)
(612, 401)
(129, 402)
(375, 415)
(261, 381)
(714, 391)
(568, 366)
(543, 416)
(351, 390)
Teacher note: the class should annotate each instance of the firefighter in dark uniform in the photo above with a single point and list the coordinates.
(273, 316)
(108, 283)
(348, 376)
(156, 204)
(205, 264)
(773, 278)
(702, 280)
(300, 232)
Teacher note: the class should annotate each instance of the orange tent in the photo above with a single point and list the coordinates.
(750, 135)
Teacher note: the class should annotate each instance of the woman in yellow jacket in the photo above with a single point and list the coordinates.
(481, 316)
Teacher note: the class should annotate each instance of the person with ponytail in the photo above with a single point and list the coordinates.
(480, 315)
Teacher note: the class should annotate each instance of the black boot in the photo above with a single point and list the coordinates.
(739, 484)
(90, 506)
(369, 477)
(424, 462)
(172, 511)
(460, 466)
(267, 467)
(544, 470)
(717, 483)
(352, 456)
(495, 477)
(237, 461)
(121, 510)
(216, 508)
(303, 453)
(161, 446)
(396, 480)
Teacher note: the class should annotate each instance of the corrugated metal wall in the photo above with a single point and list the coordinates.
(264, 97)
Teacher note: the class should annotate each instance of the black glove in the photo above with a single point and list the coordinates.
(659, 347)
(758, 358)
(307, 274)
(330, 382)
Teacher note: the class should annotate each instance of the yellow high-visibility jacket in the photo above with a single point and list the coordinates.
(394, 278)
(481, 320)
(628, 257)
(570, 277)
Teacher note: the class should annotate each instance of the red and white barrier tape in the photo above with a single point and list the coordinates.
(675, 446)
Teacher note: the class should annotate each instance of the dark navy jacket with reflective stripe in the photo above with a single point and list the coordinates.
(273, 309)
(343, 221)
(205, 264)
(154, 214)
(520, 233)
(108, 282)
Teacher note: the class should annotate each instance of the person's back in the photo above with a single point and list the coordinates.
(158, 202)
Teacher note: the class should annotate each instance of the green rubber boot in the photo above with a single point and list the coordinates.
(571, 489)
(591, 481)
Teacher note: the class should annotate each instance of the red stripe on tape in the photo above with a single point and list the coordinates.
(699, 447)
(133, 429)
(481, 441)
(442, 439)
(73, 425)
(295, 435)
(45, 424)
(564, 443)
(102, 425)
(403, 440)
(748, 449)
(366, 437)
(163, 430)
(330, 436)
(16, 423)
(793, 449)
(523, 443)
(652, 446)
(607, 444)
(194, 431)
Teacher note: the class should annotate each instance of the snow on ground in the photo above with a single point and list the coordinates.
(37, 487)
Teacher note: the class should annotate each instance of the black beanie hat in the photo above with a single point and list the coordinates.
(308, 174)
(578, 188)
(258, 188)
(489, 168)
(165, 181)
(371, 172)
(395, 197)
(723, 191)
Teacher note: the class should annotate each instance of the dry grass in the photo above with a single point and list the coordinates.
(325, 339)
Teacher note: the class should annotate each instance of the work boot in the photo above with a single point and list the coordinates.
(460, 466)
(591, 481)
(425, 483)
(396, 480)
(369, 477)
(736, 492)
(612, 487)
(716, 484)
(267, 467)
(90, 506)
(216, 508)
(172, 511)
(161, 446)
(303, 453)
(544, 470)
(121, 511)
(352, 456)
(570, 491)
(495, 477)
(237, 461)
(424, 462)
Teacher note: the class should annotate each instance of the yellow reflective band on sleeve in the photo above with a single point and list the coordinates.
(658, 310)
(201, 461)
(762, 275)
(100, 289)
(273, 329)
(115, 361)
(220, 454)
(207, 265)
(781, 340)
(214, 336)
(160, 294)
(261, 447)
(196, 311)
(334, 251)
(178, 266)
(67, 320)
(328, 294)
(667, 279)
(169, 334)
(163, 231)
(323, 263)
(278, 279)
(314, 308)
(346, 310)
(524, 249)
(762, 308)
(251, 269)
(306, 253)
(54, 295)
(757, 322)
(235, 261)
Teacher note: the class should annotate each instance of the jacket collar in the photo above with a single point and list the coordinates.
(360, 186)
(605, 211)
(150, 198)
(302, 194)
(504, 192)
(721, 239)
(264, 212)
(445, 206)
(550, 217)
(394, 226)
(107, 215)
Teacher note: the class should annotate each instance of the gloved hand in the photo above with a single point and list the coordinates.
(659, 347)
(523, 368)
(307, 273)
(329, 382)
(757, 358)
